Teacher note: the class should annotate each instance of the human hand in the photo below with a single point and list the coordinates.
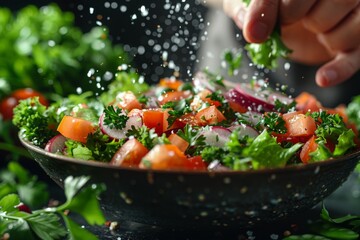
(318, 31)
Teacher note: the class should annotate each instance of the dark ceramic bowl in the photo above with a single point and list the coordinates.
(180, 199)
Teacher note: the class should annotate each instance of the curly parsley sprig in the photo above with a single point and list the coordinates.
(115, 117)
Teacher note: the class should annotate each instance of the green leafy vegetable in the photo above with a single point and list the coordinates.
(353, 111)
(115, 117)
(102, 148)
(342, 228)
(243, 153)
(16, 179)
(42, 48)
(47, 223)
(124, 81)
(147, 137)
(283, 107)
(331, 128)
(34, 121)
(266, 54)
(78, 150)
(195, 139)
(273, 122)
(178, 109)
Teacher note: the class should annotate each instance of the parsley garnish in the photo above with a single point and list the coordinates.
(215, 79)
(224, 107)
(101, 147)
(143, 99)
(147, 137)
(114, 117)
(195, 139)
(283, 107)
(331, 127)
(178, 109)
(274, 122)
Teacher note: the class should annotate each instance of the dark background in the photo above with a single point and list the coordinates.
(166, 26)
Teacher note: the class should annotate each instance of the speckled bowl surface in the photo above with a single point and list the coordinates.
(195, 199)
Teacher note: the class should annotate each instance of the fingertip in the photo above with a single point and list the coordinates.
(326, 77)
(256, 32)
(260, 20)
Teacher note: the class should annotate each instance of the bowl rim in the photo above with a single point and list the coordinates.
(92, 163)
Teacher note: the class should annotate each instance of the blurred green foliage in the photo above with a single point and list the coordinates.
(43, 49)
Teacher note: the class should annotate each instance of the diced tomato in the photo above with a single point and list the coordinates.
(189, 119)
(307, 102)
(237, 107)
(7, 106)
(309, 147)
(173, 96)
(130, 154)
(203, 95)
(164, 157)
(178, 141)
(209, 115)
(75, 128)
(127, 101)
(280, 138)
(196, 163)
(170, 83)
(135, 112)
(298, 124)
(155, 118)
(25, 93)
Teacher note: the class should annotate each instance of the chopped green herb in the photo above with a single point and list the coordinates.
(233, 61)
(195, 139)
(178, 109)
(283, 107)
(266, 54)
(115, 117)
(274, 122)
(147, 137)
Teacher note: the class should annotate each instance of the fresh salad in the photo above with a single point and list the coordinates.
(208, 124)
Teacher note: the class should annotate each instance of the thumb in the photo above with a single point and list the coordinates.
(260, 20)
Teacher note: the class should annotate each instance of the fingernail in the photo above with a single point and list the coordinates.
(239, 18)
(330, 76)
(259, 31)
